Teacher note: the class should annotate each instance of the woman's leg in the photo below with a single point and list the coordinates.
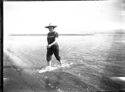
(56, 53)
(49, 56)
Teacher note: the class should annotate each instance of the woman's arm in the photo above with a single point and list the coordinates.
(56, 40)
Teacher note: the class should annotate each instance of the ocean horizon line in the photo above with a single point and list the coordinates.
(60, 34)
(46, 34)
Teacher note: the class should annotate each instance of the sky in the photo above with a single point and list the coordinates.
(71, 17)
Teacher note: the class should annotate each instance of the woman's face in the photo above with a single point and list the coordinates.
(51, 28)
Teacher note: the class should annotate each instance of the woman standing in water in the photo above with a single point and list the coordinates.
(52, 47)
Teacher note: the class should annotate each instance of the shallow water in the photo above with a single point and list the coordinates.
(95, 59)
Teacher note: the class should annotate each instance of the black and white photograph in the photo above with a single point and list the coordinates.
(64, 46)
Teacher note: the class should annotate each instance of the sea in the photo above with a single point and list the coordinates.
(95, 60)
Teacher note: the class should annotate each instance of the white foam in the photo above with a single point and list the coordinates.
(118, 78)
(5, 79)
(49, 68)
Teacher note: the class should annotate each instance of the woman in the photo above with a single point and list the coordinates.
(52, 47)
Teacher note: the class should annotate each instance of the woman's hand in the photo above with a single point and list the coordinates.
(48, 46)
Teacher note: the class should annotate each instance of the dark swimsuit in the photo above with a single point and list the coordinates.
(54, 49)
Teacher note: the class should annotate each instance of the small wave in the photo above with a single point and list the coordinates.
(48, 68)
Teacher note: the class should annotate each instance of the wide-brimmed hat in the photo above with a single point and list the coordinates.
(50, 26)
